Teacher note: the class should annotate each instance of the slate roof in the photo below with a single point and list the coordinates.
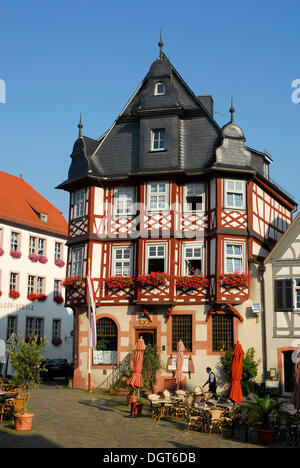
(192, 135)
(22, 204)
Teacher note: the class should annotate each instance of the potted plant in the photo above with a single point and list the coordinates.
(235, 280)
(72, 281)
(192, 282)
(27, 361)
(60, 263)
(34, 257)
(259, 412)
(153, 279)
(16, 254)
(58, 299)
(118, 281)
(13, 294)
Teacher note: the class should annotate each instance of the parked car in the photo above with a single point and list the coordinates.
(57, 368)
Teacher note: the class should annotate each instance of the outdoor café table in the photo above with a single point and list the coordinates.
(162, 404)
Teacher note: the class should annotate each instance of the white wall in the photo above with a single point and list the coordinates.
(22, 307)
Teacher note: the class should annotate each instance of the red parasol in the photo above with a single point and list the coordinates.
(179, 362)
(235, 391)
(136, 380)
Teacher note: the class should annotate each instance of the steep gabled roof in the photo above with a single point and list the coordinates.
(22, 204)
(287, 238)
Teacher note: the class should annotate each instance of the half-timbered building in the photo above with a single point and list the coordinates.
(167, 190)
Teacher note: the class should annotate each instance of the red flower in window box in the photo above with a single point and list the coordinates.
(34, 257)
(153, 279)
(118, 281)
(59, 262)
(41, 297)
(14, 294)
(1, 251)
(73, 281)
(0, 293)
(16, 254)
(43, 259)
(58, 299)
(32, 296)
(192, 282)
(56, 341)
(236, 280)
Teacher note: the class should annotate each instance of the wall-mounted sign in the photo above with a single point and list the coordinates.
(172, 364)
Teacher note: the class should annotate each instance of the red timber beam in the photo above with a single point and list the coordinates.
(221, 308)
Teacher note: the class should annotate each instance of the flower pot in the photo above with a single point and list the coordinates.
(265, 436)
(136, 408)
(130, 399)
(23, 422)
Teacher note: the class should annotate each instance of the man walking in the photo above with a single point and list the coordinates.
(212, 383)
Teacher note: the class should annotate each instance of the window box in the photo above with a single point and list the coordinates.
(43, 259)
(192, 282)
(1, 251)
(236, 280)
(119, 281)
(152, 279)
(32, 297)
(16, 253)
(34, 257)
(58, 299)
(74, 281)
(0, 293)
(60, 263)
(41, 297)
(14, 294)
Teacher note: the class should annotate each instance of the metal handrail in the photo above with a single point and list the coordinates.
(116, 374)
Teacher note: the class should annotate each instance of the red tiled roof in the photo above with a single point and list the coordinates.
(21, 203)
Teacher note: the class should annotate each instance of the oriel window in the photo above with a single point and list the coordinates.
(193, 197)
(156, 258)
(234, 194)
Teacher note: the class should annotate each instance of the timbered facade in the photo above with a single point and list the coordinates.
(167, 190)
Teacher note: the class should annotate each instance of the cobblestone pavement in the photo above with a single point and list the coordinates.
(72, 418)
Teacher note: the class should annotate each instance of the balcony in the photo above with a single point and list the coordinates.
(160, 288)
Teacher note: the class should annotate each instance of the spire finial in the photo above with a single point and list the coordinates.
(160, 45)
(80, 127)
(232, 110)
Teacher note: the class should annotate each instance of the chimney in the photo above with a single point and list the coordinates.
(207, 102)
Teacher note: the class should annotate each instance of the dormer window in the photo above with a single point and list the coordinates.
(160, 89)
(157, 140)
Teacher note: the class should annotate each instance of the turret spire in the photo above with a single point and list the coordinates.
(160, 45)
(232, 110)
(80, 127)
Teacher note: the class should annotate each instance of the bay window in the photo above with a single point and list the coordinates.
(234, 257)
(123, 201)
(192, 261)
(76, 261)
(156, 258)
(78, 204)
(234, 194)
(122, 261)
(193, 197)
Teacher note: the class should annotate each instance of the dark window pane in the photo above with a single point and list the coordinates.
(222, 332)
(182, 328)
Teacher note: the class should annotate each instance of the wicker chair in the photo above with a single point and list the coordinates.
(7, 403)
(154, 409)
(218, 418)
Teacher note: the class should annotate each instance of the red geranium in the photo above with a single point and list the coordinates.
(119, 281)
(192, 282)
(58, 299)
(32, 296)
(14, 294)
(72, 281)
(236, 280)
(41, 297)
(153, 279)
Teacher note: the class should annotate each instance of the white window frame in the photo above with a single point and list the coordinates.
(234, 191)
(156, 194)
(74, 270)
(193, 185)
(78, 204)
(31, 281)
(226, 256)
(122, 260)
(161, 139)
(127, 197)
(13, 281)
(58, 250)
(41, 246)
(56, 288)
(148, 256)
(40, 285)
(156, 92)
(32, 244)
(56, 328)
(296, 288)
(15, 241)
(185, 259)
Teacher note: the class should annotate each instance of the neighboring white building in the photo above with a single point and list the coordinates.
(32, 265)
(282, 307)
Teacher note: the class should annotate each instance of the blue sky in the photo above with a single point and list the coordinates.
(64, 57)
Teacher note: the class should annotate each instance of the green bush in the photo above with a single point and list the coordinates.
(249, 370)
